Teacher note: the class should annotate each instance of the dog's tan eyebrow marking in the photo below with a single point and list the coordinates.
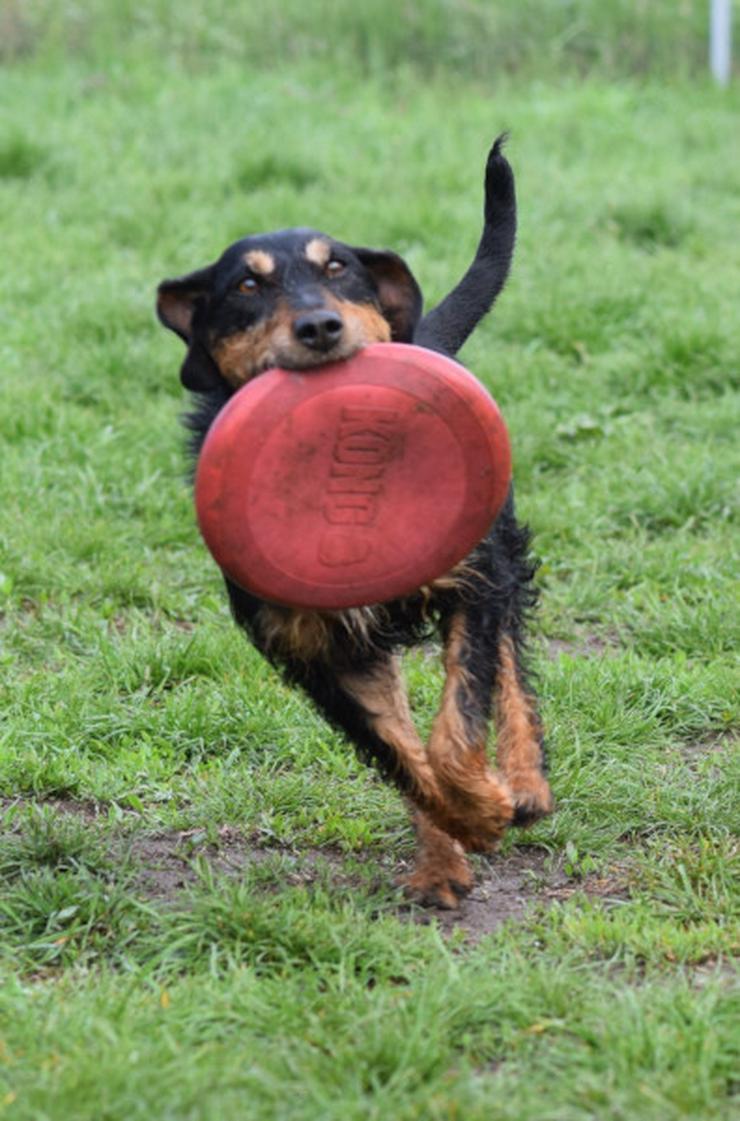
(260, 262)
(318, 251)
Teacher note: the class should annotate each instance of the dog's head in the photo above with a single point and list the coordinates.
(296, 299)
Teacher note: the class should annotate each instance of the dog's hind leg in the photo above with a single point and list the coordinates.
(519, 748)
(483, 672)
(479, 805)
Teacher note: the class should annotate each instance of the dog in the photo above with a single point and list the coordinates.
(298, 298)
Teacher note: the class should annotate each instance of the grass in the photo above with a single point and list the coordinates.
(438, 35)
(197, 913)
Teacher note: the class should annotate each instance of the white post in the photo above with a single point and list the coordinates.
(719, 40)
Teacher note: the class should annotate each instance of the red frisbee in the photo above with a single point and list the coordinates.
(353, 483)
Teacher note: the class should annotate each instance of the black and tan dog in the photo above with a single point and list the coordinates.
(296, 299)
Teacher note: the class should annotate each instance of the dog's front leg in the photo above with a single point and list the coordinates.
(441, 874)
(356, 685)
(369, 704)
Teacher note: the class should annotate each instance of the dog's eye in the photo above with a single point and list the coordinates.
(249, 286)
(334, 267)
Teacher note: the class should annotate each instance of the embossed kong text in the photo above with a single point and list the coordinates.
(365, 443)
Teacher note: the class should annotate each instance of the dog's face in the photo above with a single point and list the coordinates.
(296, 299)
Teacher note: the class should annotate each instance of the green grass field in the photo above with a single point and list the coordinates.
(198, 916)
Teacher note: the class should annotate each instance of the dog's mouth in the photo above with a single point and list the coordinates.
(300, 358)
(300, 341)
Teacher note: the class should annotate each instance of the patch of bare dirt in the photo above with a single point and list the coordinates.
(122, 623)
(64, 805)
(507, 887)
(715, 970)
(169, 861)
(712, 748)
(584, 645)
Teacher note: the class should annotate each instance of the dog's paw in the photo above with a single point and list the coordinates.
(442, 886)
(476, 811)
(532, 797)
(441, 875)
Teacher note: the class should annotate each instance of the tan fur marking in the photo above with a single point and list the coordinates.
(441, 874)
(517, 745)
(318, 251)
(449, 732)
(303, 635)
(245, 354)
(464, 576)
(518, 738)
(309, 635)
(383, 695)
(260, 262)
(363, 323)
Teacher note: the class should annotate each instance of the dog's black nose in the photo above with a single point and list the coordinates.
(319, 330)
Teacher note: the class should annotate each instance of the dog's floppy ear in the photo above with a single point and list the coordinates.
(177, 303)
(398, 293)
(178, 299)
